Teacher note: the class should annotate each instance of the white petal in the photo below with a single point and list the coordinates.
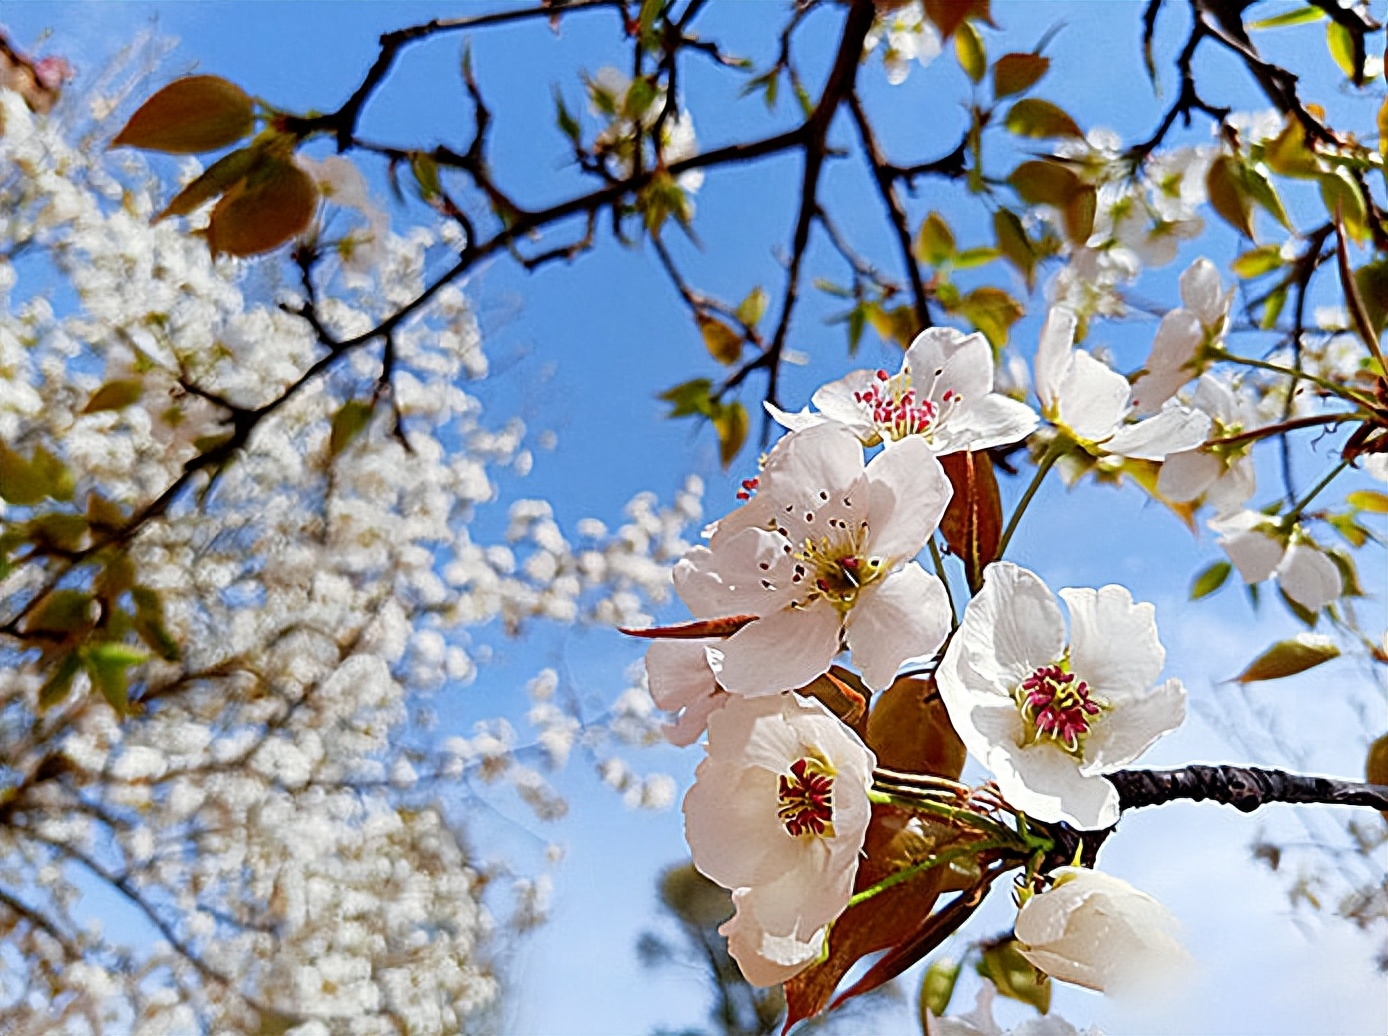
(748, 574)
(1254, 553)
(765, 958)
(678, 673)
(908, 492)
(1011, 627)
(802, 418)
(994, 420)
(903, 616)
(693, 720)
(1174, 430)
(1046, 783)
(1053, 354)
(942, 359)
(1178, 337)
(1233, 488)
(1120, 736)
(837, 401)
(781, 651)
(1215, 398)
(1113, 641)
(1309, 577)
(1203, 294)
(1093, 398)
(1152, 390)
(1186, 476)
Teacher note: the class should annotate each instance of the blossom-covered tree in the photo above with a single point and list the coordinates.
(242, 469)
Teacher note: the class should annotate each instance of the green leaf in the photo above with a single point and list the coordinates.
(1272, 308)
(1038, 119)
(1289, 657)
(1260, 189)
(1340, 193)
(937, 989)
(115, 395)
(1368, 500)
(349, 421)
(1229, 195)
(58, 530)
(979, 256)
(57, 478)
(730, 422)
(62, 611)
(722, 342)
(1045, 183)
(1015, 976)
(59, 685)
(1289, 153)
(1376, 766)
(640, 96)
(190, 115)
(689, 398)
(1015, 73)
(1296, 16)
(993, 311)
(934, 241)
(1014, 244)
(20, 483)
(108, 665)
(149, 623)
(1258, 261)
(426, 175)
(751, 309)
(661, 199)
(1210, 580)
(1372, 281)
(969, 49)
(564, 119)
(1341, 45)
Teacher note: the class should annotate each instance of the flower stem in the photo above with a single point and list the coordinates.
(940, 571)
(1295, 513)
(929, 863)
(1275, 368)
(1057, 449)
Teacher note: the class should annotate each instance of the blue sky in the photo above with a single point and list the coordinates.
(585, 349)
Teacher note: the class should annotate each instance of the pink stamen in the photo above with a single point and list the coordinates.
(1058, 705)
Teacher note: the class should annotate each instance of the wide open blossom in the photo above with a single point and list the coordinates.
(1182, 337)
(1259, 548)
(1222, 476)
(822, 555)
(778, 812)
(943, 393)
(1088, 400)
(1049, 720)
(1099, 932)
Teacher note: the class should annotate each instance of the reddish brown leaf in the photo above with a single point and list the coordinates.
(909, 730)
(190, 115)
(948, 15)
(271, 205)
(843, 694)
(693, 630)
(972, 524)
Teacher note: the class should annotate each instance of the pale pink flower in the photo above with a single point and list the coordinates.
(1089, 401)
(1259, 548)
(1097, 931)
(943, 393)
(1050, 719)
(822, 555)
(778, 812)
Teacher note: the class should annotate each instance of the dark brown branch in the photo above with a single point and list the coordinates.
(1246, 788)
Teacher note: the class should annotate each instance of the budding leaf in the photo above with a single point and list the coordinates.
(730, 422)
(1210, 580)
(972, 523)
(62, 611)
(993, 311)
(1341, 45)
(108, 665)
(348, 423)
(59, 685)
(1038, 119)
(689, 398)
(275, 203)
(1257, 261)
(1014, 244)
(1372, 281)
(1368, 500)
(909, 730)
(20, 483)
(934, 241)
(115, 395)
(1045, 183)
(1341, 194)
(722, 342)
(1228, 194)
(1015, 73)
(751, 309)
(190, 115)
(937, 989)
(1015, 976)
(1296, 16)
(969, 49)
(1289, 657)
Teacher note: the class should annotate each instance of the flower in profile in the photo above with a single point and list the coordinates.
(822, 555)
(1089, 401)
(681, 679)
(1099, 932)
(1183, 336)
(943, 393)
(1222, 475)
(777, 813)
(1260, 548)
(1049, 720)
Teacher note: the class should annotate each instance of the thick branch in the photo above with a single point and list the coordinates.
(1246, 788)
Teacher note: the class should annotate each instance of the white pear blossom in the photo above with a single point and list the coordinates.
(1182, 337)
(943, 393)
(980, 1021)
(906, 34)
(681, 680)
(822, 555)
(1089, 401)
(1260, 548)
(1221, 476)
(1050, 719)
(1097, 931)
(778, 812)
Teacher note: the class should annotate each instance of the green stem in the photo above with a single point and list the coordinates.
(1057, 449)
(1275, 368)
(930, 862)
(940, 571)
(952, 813)
(1291, 516)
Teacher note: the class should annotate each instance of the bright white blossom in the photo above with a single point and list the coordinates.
(822, 555)
(1259, 548)
(1183, 335)
(906, 34)
(1089, 401)
(1221, 476)
(943, 393)
(1098, 931)
(1049, 720)
(778, 812)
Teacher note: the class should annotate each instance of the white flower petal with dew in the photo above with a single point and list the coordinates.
(1097, 931)
(1047, 721)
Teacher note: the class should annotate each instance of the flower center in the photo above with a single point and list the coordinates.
(895, 408)
(1056, 705)
(805, 799)
(834, 569)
